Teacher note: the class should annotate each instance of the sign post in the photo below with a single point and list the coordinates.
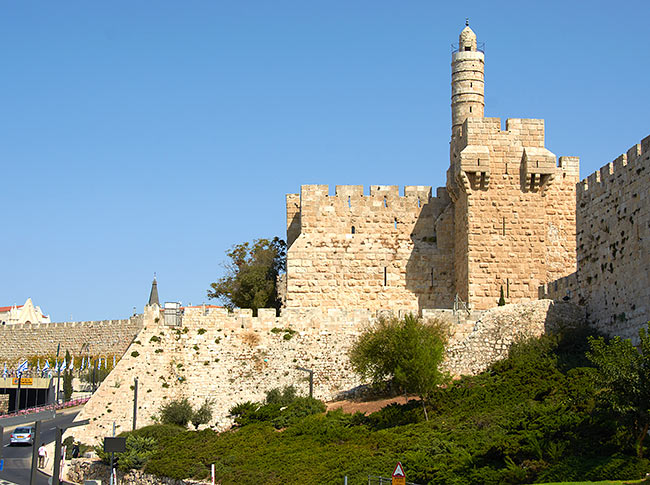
(399, 478)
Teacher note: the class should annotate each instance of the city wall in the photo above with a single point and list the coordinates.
(613, 246)
(382, 250)
(105, 337)
(234, 357)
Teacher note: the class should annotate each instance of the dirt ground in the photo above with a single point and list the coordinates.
(367, 407)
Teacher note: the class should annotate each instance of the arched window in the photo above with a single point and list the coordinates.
(353, 230)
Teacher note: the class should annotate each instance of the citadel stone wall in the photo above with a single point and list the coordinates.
(613, 246)
(374, 251)
(231, 358)
(105, 337)
(514, 210)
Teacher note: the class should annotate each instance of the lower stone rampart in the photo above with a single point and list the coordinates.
(105, 337)
(231, 358)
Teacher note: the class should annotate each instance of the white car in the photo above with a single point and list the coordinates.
(22, 436)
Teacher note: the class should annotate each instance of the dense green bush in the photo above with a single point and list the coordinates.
(138, 450)
(281, 408)
(178, 412)
(533, 417)
(202, 415)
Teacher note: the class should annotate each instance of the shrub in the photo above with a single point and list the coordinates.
(178, 412)
(502, 300)
(138, 451)
(203, 414)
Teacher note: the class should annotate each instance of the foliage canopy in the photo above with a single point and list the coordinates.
(623, 374)
(529, 418)
(251, 275)
(407, 351)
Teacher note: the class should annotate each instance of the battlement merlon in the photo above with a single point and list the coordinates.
(518, 132)
(634, 159)
(320, 193)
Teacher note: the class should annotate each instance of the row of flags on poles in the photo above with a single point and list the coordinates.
(86, 363)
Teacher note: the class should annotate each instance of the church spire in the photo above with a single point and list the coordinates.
(153, 296)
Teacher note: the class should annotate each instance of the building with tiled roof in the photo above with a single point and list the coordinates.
(27, 313)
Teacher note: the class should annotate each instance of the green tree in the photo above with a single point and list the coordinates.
(623, 373)
(251, 275)
(502, 300)
(177, 412)
(407, 351)
(203, 414)
(67, 378)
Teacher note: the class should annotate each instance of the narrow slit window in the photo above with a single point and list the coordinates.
(353, 230)
(385, 276)
(385, 202)
(419, 202)
(349, 203)
(504, 226)
(470, 109)
(431, 277)
(395, 223)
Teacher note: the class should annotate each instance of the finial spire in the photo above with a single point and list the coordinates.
(467, 21)
(153, 296)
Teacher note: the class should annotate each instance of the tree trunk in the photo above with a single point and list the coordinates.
(426, 416)
(639, 441)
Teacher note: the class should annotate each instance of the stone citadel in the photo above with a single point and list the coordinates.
(509, 217)
(506, 219)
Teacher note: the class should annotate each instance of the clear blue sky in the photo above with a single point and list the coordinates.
(150, 136)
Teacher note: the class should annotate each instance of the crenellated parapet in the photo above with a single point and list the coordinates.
(103, 337)
(613, 242)
(622, 171)
(314, 209)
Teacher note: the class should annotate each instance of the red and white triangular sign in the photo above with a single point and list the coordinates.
(398, 471)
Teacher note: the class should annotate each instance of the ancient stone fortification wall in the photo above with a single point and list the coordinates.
(372, 251)
(514, 210)
(613, 247)
(231, 358)
(499, 327)
(107, 337)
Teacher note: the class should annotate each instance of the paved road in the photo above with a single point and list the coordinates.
(18, 459)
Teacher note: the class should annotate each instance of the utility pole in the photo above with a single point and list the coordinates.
(58, 371)
(112, 456)
(37, 439)
(18, 391)
(311, 379)
(56, 471)
(135, 402)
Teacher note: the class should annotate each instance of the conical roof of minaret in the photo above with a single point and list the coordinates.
(153, 296)
(467, 38)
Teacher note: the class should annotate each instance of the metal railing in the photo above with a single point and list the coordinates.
(53, 406)
(376, 480)
(480, 47)
(459, 305)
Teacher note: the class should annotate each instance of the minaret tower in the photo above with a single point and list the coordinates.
(467, 80)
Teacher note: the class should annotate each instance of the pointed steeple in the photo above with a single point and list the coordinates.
(153, 296)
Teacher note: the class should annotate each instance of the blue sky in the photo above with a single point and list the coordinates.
(151, 136)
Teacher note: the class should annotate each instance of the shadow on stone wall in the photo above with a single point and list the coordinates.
(429, 269)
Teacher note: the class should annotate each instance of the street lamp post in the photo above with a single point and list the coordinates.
(311, 379)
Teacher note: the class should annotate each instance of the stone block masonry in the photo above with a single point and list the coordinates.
(514, 210)
(374, 251)
(613, 246)
(105, 337)
(232, 358)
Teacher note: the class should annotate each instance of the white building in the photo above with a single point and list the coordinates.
(27, 313)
